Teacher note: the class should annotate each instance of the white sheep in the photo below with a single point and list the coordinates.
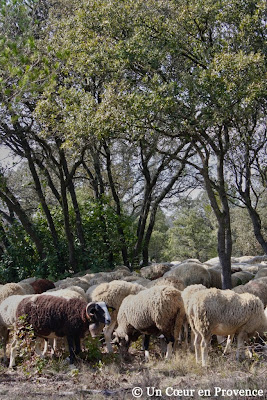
(113, 293)
(158, 310)
(222, 312)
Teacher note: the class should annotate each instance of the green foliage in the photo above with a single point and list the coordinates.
(244, 240)
(192, 234)
(92, 349)
(20, 259)
(159, 238)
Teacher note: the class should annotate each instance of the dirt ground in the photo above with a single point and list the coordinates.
(106, 376)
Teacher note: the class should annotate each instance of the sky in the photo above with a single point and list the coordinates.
(6, 158)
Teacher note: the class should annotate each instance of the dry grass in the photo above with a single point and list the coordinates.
(114, 377)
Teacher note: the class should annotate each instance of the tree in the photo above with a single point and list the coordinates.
(193, 234)
(246, 162)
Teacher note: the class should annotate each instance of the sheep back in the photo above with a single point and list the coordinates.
(168, 280)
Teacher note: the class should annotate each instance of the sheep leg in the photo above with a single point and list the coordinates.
(45, 349)
(107, 334)
(38, 347)
(146, 340)
(13, 352)
(228, 343)
(77, 342)
(204, 349)
(186, 333)
(5, 335)
(242, 336)
(197, 341)
(170, 343)
(71, 350)
(53, 345)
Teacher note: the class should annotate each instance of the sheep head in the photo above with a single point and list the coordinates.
(98, 316)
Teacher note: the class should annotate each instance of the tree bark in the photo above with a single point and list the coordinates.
(115, 196)
(39, 191)
(13, 204)
(221, 210)
(69, 184)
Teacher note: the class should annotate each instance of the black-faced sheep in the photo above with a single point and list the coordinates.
(222, 312)
(52, 316)
(113, 293)
(158, 310)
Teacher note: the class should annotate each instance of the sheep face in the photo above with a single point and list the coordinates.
(97, 315)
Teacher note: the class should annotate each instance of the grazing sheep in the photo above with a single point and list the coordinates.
(113, 293)
(52, 316)
(42, 285)
(158, 310)
(222, 312)
(191, 273)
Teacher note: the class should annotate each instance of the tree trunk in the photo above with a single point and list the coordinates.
(14, 205)
(223, 217)
(69, 236)
(256, 221)
(71, 189)
(124, 250)
(225, 250)
(141, 226)
(41, 196)
(148, 234)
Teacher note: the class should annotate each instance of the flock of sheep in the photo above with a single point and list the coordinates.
(162, 299)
